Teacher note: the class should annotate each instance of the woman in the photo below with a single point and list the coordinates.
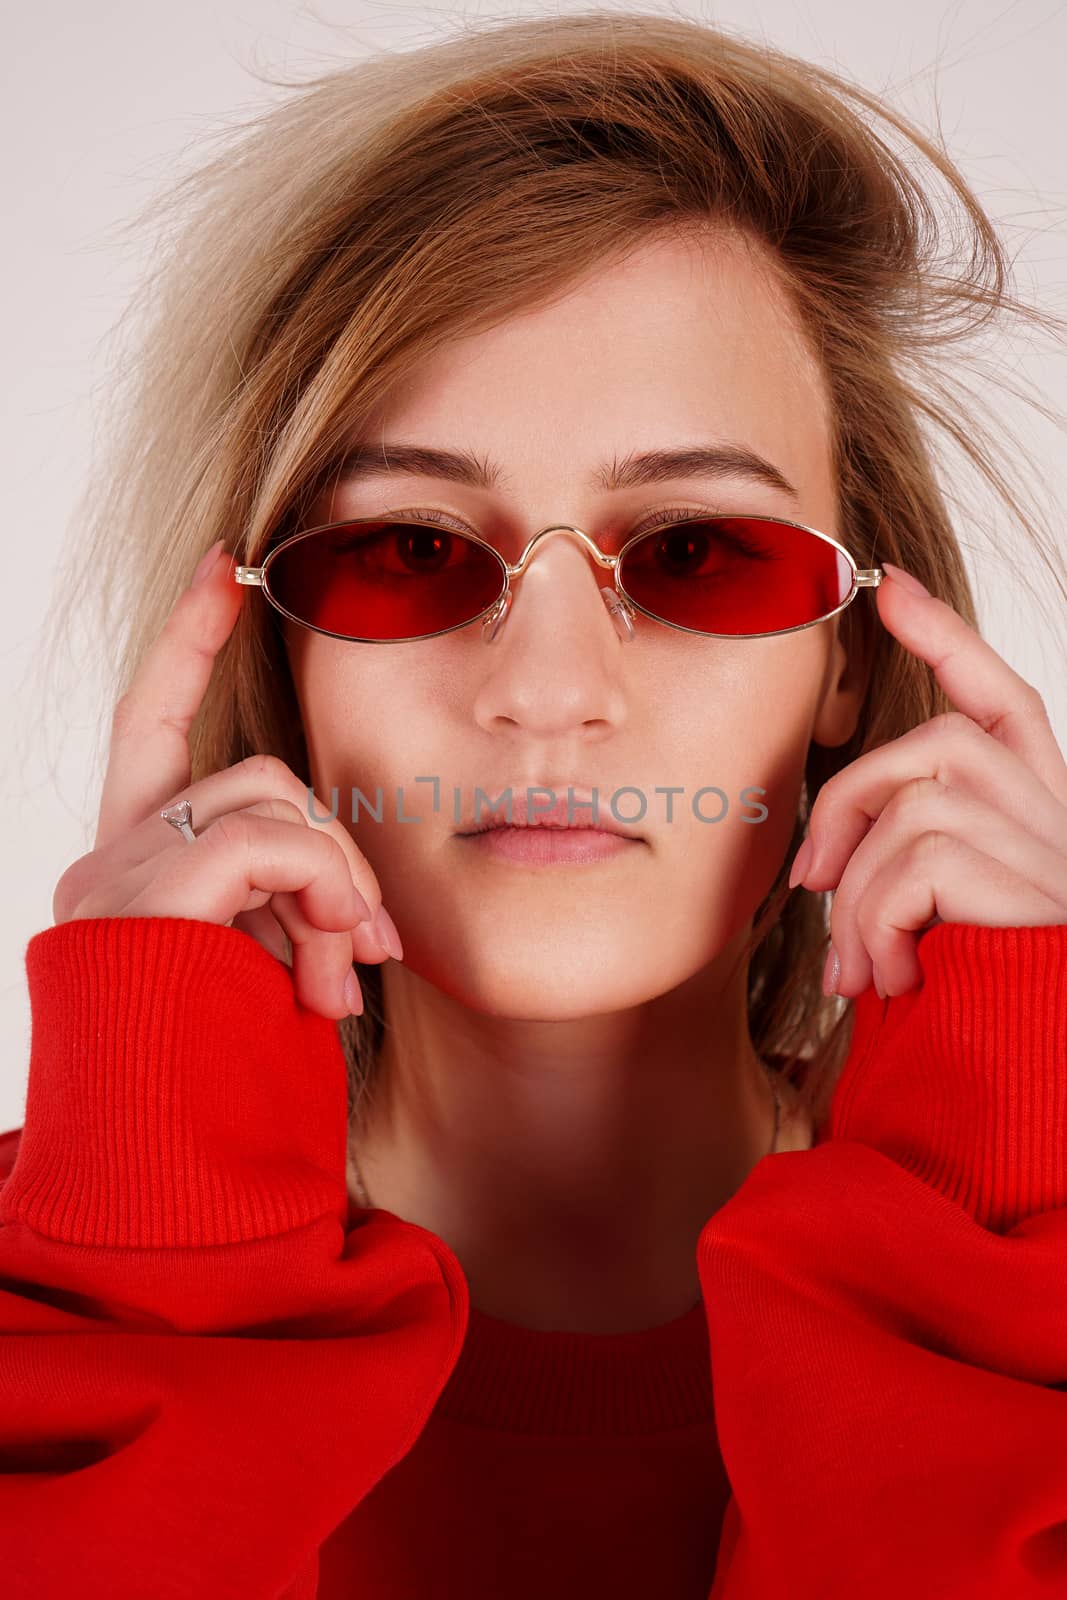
(558, 388)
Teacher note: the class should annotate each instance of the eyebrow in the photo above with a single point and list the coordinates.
(716, 460)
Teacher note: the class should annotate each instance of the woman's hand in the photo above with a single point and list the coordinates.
(963, 819)
(259, 862)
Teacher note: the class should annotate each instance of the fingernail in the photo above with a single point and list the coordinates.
(353, 996)
(801, 862)
(831, 972)
(205, 564)
(386, 934)
(363, 910)
(905, 579)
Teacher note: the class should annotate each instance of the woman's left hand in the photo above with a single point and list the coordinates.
(962, 819)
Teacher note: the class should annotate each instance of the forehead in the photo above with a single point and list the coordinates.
(686, 338)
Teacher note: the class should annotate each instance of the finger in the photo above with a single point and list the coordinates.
(276, 921)
(950, 749)
(244, 857)
(926, 807)
(112, 878)
(269, 923)
(263, 926)
(322, 961)
(240, 787)
(949, 876)
(977, 680)
(149, 751)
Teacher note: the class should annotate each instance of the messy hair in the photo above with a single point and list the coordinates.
(309, 266)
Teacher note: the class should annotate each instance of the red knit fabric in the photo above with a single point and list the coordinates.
(220, 1379)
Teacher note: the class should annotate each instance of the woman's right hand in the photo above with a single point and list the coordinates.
(256, 842)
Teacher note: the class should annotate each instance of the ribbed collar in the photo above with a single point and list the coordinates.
(527, 1380)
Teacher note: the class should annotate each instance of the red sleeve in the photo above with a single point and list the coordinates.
(203, 1371)
(888, 1311)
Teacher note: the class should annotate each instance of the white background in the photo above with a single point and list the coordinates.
(101, 104)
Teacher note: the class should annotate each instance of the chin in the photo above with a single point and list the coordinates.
(533, 978)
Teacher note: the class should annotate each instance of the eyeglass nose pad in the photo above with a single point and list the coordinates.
(620, 613)
(495, 620)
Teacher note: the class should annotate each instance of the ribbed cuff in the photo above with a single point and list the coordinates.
(964, 1081)
(179, 1094)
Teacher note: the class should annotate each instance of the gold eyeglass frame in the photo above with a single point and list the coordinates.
(620, 605)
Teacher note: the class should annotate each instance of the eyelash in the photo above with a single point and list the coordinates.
(653, 519)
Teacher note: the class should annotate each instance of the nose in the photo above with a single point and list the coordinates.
(619, 609)
(554, 666)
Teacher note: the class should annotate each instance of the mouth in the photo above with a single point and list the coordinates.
(532, 832)
(574, 813)
(542, 847)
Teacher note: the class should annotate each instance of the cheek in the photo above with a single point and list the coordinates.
(370, 732)
(751, 713)
(747, 734)
(381, 750)
(362, 713)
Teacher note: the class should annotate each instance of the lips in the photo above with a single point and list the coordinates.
(573, 808)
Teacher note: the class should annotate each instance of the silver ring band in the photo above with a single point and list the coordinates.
(180, 816)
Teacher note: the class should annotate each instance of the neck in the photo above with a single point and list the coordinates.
(570, 1165)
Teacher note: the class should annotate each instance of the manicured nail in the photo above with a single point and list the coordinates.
(363, 910)
(831, 972)
(205, 565)
(801, 862)
(353, 996)
(386, 934)
(906, 579)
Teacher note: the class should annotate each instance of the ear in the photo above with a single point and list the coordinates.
(843, 692)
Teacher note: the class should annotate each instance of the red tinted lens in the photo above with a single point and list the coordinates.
(735, 575)
(384, 580)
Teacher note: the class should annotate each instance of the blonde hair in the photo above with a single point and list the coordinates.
(397, 202)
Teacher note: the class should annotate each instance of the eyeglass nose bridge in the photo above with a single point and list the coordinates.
(618, 606)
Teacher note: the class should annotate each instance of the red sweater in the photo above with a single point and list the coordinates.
(221, 1379)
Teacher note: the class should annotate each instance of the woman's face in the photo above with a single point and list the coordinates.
(689, 342)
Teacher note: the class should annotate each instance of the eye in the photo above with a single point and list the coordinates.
(691, 551)
(388, 549)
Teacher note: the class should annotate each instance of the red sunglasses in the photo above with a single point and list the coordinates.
(372, 580)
